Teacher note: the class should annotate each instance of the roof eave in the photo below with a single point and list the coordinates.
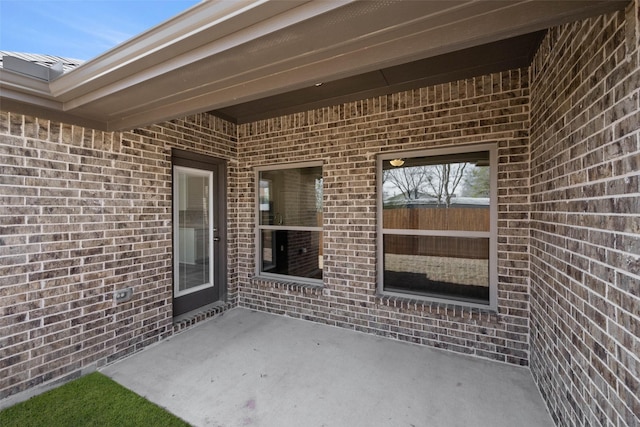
(182, 66)
(205, 29)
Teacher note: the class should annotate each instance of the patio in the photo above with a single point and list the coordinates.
(253, 368)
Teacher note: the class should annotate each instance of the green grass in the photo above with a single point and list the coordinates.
(93, 400)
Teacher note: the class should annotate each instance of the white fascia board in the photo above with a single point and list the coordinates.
(180, 42)
(24, 83)
(23, 88)
(31, 96)
(43, 112)
(26, 98)
(194, 20)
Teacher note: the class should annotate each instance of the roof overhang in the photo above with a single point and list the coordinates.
(221, 54)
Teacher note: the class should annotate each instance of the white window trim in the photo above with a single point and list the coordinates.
(492, 148)
(176, 226)
(258, 228)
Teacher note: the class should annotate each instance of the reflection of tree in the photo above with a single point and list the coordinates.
(409, 180)
(443, 181)
(437, 181)
(477, 182)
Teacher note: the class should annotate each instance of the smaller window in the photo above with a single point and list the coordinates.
(289, 210)
(437, 213)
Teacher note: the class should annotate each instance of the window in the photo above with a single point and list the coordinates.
(437, 216)
(289, 232)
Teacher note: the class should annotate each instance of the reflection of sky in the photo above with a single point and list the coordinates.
(475, 201)
(391, 190)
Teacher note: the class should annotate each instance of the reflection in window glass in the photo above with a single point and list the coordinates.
(291, 197)
(430, 184)
(452, 266)
(291, 253)
(436, 219)
(290, 222)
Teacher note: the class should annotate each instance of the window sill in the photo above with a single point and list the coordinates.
(288, 285)
(444, 307)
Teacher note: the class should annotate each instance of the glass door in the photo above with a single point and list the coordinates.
(194, 231)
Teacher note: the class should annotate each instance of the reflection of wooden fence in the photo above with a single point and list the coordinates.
(466, 219)
(458, 247)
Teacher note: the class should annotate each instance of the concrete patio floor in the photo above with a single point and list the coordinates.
(247, 368)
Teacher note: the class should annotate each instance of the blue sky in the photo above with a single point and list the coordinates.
(79, 29)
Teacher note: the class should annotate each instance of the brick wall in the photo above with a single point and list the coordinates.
(347, 138)
(585, 223)
(84, 213)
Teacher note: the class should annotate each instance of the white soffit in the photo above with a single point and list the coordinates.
(221, 53)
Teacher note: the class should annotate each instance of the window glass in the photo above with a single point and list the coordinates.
(291, 197)
(435, 266)
(437, 193)
(291, 253)
(192, 204)
(436, 225)
(290, 222)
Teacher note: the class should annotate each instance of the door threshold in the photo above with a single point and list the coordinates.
(192, 317)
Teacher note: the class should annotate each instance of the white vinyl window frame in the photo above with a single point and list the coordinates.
(178, 192)
(492, 234)
(259, 228)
